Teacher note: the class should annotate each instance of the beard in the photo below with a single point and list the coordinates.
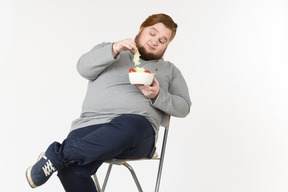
(145, 55)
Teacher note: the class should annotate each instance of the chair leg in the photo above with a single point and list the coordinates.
(158, 179)
(108, 174)
(134, 176)
(161, 159)
(107, 177)
(97, 182)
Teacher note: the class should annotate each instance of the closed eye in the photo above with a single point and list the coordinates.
(162, 41)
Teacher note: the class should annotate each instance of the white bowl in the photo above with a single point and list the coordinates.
(141, 78)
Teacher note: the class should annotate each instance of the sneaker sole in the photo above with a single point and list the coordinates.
(28, 173)
(29, 179)
(40, 156)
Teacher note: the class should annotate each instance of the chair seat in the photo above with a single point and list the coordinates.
(122, 161)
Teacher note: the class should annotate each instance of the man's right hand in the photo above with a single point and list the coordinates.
(123, 45)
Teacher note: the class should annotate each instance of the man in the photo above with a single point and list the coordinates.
(118, 119)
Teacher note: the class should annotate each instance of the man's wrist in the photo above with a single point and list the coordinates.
(115, 52)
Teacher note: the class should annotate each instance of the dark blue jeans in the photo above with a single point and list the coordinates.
(85, 149)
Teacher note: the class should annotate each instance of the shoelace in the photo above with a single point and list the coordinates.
(48, 168)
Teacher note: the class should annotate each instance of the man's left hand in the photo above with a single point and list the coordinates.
(150, 91)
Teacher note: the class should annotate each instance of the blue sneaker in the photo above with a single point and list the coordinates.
(39, 173)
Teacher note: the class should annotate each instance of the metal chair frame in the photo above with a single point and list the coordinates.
(129, 167)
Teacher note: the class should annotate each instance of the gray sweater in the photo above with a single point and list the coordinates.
(109, 93)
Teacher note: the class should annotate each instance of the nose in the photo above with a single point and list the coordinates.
(154, 41)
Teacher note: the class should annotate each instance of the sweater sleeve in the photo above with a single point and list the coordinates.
(91, 64)
(175, 101)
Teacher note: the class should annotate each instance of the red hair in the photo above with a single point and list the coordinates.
(161, 18)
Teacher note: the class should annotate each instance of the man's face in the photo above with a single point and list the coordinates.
(152, 41)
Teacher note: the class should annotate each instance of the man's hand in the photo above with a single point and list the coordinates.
(150, 91)
(123, 45)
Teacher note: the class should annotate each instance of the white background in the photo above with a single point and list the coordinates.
(233, 55)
